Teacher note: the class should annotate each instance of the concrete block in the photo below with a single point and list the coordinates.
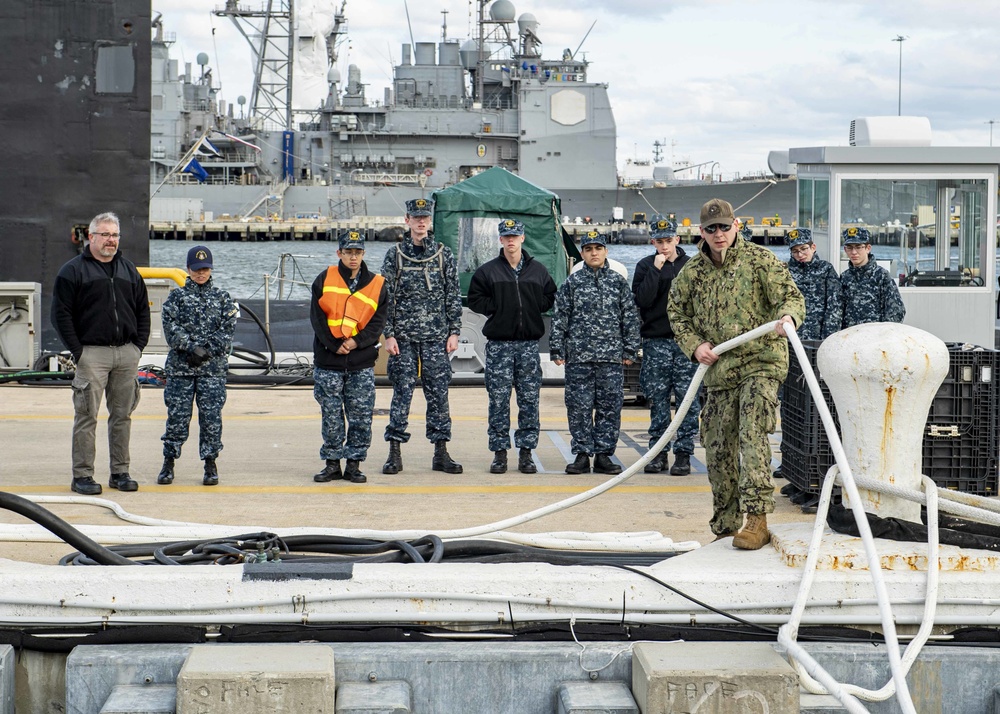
(137, 699)
(93, 671)
(596, 698)
(6, 679)
(712, 678)
(374, 698)
(257, 679)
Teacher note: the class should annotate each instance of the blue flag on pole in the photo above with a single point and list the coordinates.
(197, 170)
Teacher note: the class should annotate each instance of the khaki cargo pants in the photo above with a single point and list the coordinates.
(108, 371)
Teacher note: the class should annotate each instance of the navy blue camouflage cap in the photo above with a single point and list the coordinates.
(799, 236)
(419, 207)
(510, 227)
(856, 234)
(662, 227)
(593, 237)
(199, 257)
(352, 239)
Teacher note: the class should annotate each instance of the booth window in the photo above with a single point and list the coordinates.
(814, 207)
(927, 232)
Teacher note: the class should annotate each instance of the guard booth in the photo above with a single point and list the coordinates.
(932, 213)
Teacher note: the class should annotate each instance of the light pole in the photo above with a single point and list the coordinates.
(991, 122)
(899, 106)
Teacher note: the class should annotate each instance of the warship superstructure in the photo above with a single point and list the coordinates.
(454, 109)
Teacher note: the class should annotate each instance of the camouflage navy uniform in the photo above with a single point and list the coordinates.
(869, 294)
(344, 384)
(594, 328)
(710, 303)
(820, 286)
(666, 371)
(513, 299)
(197, 316)
(424, 309)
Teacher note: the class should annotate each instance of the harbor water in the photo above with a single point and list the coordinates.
(240, 267)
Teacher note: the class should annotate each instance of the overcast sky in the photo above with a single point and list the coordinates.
(719, 80)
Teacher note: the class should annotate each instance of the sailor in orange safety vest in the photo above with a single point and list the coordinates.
(347, 312)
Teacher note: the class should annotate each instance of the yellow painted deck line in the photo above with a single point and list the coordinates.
(361, 489)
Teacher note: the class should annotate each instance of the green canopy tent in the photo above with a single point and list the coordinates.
(466, 217)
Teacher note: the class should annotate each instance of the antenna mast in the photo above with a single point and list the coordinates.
(272, 41)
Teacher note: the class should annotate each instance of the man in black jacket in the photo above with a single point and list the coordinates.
(347, 311)
(101, 311)
(666, 370)
(512, 290)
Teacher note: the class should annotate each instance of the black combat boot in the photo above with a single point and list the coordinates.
(166, 476)
(123, 482)
(394, 463)
(526, 464)
(581, 465)
(604, 465)
(658, 464)
(442, 459)
(330, 472)
(211, 473)
(353, 472)
(87, 486)
(499, 465)
(682, 464)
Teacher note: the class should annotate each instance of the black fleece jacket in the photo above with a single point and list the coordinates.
(651, 288)
(513, 304)
(100, 304)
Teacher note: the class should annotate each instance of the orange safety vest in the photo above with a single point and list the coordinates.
(347, 312)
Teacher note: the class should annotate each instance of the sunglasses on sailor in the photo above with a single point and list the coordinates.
(717, 227)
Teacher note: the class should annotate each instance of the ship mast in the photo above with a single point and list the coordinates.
(480, 51)
(271, 36)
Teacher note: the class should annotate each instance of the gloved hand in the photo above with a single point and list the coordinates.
(198, 356)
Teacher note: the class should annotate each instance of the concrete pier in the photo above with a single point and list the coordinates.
(272, 440)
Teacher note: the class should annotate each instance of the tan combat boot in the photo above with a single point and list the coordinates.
(753, 535)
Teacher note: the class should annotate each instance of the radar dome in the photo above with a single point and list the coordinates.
(502, 11)
(333, 75)
(202, 59)
(468, 54)
(241, 100)
(527, 22)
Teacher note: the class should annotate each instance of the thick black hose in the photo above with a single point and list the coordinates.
(263, 330)
(51, 522)
(33, 376)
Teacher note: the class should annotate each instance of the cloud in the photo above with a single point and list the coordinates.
(727, 81)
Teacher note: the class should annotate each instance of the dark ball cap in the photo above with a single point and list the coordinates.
(856, 234)
(417, 207)
(662, 227)
(510, 227)
(199, 257)
(593, 237)
(352, 239)
(799, 236)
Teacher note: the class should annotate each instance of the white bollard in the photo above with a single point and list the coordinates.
(883, 377)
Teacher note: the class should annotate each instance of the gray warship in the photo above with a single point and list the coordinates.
(453, 110)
